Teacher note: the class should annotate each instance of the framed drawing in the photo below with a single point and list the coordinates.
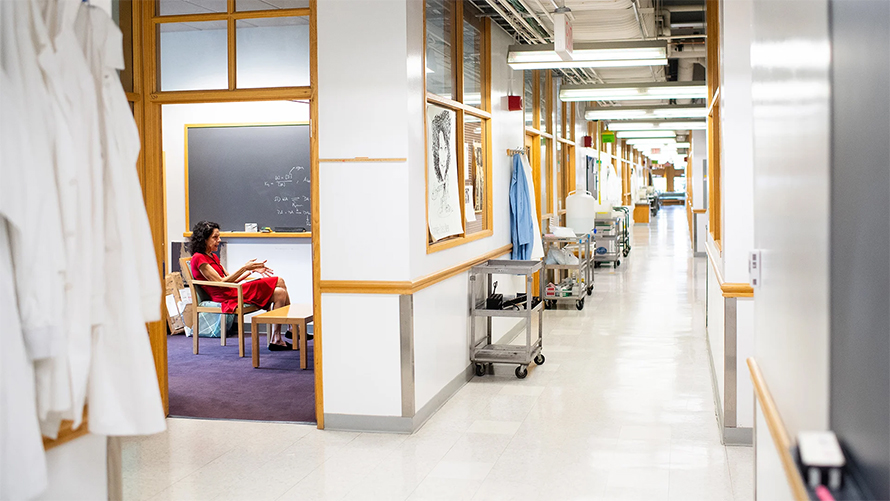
(443, 186)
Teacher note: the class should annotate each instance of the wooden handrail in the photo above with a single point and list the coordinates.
(406, 287)
(729, 289)
(777, 431)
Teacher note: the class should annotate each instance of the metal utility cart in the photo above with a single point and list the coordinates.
(483, 351)
(624, 233)
(608, 240)
(579, 280)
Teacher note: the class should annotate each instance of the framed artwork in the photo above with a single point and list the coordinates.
(443, 186)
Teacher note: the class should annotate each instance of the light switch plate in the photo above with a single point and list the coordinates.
(755, 265)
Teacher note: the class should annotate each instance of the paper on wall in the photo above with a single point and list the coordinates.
(443, 190)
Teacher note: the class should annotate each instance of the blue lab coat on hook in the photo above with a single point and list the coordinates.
(521, 219)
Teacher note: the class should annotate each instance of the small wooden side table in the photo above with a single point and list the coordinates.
(296, 315)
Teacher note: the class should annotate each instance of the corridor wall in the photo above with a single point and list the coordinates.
(391, 359)
(731, 339)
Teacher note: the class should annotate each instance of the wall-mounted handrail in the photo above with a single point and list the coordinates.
(777, 430)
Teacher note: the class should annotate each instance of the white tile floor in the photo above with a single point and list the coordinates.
(622, 409)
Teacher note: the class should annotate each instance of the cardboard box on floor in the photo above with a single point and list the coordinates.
(172, 285)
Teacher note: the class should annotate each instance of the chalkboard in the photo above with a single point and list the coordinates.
(249, 174)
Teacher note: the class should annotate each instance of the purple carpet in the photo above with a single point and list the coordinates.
(218, 384)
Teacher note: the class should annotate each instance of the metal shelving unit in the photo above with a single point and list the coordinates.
(579, 276)
(484, 351)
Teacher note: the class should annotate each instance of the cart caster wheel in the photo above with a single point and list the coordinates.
(540, 359)
(617, 263)
(590, 290)
(549, 304)
(521, 372)
(596, 265)
(480, 370)
(579, 304)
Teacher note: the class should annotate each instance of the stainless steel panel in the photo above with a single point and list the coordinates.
(406, 353)
(730, 370)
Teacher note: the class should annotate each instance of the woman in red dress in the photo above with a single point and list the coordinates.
(263, 292)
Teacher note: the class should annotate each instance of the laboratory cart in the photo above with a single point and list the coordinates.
(608, 240)
(624, 233)
(577, 281)
(484, 351)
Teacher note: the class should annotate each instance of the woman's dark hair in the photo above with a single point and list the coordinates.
(200, 233)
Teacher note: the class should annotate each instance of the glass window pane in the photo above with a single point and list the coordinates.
(528, 98)
(544, 119)
(472, 56)
(194, 56)
(545, 177)
(272, 52)
(560, 178)
(178, 7)
(439, 26)
(474, 173)
(559, 107)
(246, 5)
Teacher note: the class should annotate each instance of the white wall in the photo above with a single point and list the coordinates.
(290, 258)
(361, 354)
(792, 136)
(737, 142)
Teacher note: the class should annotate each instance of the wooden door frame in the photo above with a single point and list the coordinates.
(147, 102)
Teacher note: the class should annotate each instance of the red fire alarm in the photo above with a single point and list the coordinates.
(587, 141)
(514, 103)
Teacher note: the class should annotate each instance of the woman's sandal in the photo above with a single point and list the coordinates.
(280, 347)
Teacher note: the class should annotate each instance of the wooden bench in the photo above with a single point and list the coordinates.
(296, 315)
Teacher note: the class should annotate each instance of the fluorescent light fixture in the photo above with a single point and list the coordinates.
(652, 141)
(589, 55)
(639, 134)
(659, 125)
(622, 92)
(560, 65)
(651, 112)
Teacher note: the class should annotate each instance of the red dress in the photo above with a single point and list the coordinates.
(257, 292)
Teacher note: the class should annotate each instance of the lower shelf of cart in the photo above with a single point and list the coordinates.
(580, 295)
(504, 353)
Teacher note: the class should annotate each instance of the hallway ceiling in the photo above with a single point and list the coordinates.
(680, 22)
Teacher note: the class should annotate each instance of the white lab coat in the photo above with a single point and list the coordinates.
(123, 392)
(23, 473)
(79, 175)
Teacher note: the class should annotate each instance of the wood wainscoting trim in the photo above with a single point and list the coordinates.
(406, 287)
(777, 430)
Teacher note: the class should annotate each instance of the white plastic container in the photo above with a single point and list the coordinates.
(580, 211)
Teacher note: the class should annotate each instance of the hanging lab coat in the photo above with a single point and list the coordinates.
(537, 243)
(521, 218)
(123, 393)
(23, 473)
(34, 213)
(79, 177)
